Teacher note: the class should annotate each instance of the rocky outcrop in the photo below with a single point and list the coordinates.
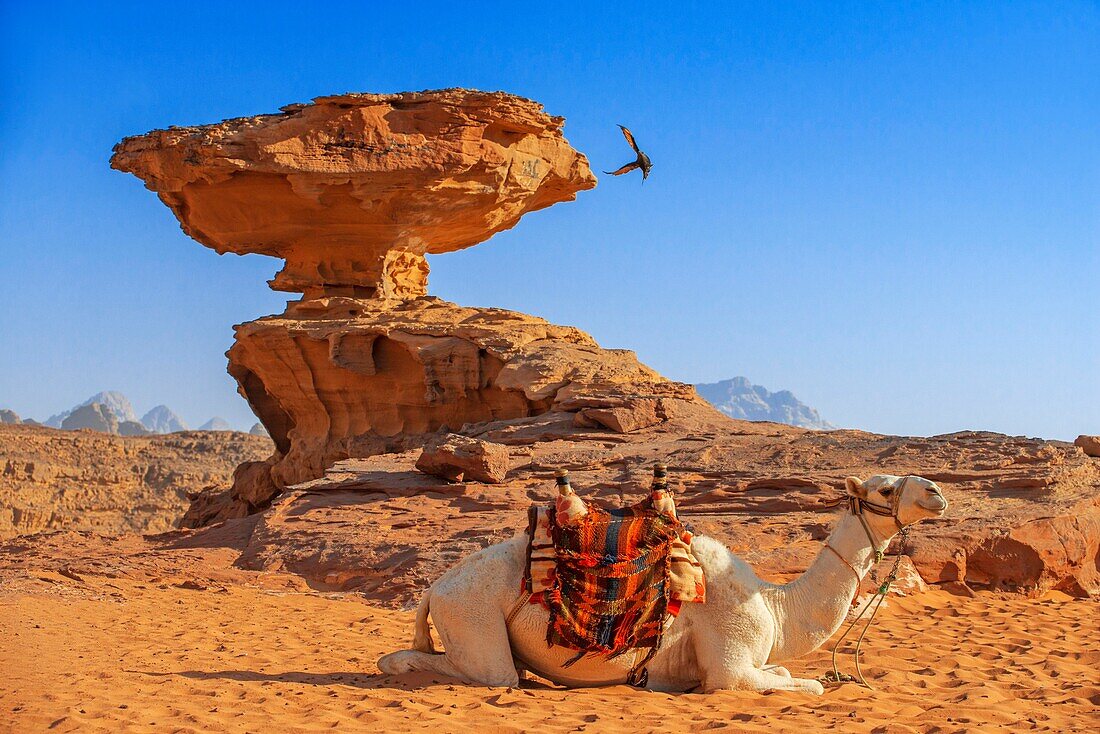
(258, 429)
(1024, 514)
(739, 398)
(1089, 444)
(353, 190)
(10, 417)
(336, 378)
(51, 480)
(461, 458)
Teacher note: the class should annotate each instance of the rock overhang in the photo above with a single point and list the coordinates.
(353, 190)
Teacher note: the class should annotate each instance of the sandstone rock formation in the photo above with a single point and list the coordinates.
(52, 479)
(353, 190)
(355, 378)
(1089, 444)
(461, 458)
(335, 378)
(10, 417)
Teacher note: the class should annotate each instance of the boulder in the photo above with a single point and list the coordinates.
(1089, 444)
(632, 415)
(460, 458)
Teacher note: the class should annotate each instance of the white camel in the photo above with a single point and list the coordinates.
(735, 640)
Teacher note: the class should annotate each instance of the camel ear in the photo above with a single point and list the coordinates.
(855, 487)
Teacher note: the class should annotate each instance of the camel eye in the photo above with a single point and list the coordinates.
(886, 491)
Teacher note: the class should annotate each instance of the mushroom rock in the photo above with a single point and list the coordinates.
(353, 191)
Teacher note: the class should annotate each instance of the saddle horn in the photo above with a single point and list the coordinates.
(660, 476)
(561, 478)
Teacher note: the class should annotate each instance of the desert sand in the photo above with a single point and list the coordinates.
(257, 652)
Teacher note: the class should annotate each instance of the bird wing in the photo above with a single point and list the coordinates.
(630, 138)
(625, 169)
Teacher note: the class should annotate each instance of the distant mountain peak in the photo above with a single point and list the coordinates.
(161, 419)
(217, 423)
(739, 398)
(114, 403)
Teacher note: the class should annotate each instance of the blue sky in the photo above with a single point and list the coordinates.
(891, 209)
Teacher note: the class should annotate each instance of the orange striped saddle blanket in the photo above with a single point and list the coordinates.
(612, 579)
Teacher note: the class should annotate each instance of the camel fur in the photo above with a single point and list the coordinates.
(736, 640)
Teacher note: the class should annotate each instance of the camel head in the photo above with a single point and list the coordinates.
(909, 498)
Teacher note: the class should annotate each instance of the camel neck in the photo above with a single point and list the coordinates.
(811, 608)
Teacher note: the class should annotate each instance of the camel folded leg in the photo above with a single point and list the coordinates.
(725, 663)
(410, 661)
(754, 679)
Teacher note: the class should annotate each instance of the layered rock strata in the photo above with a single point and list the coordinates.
(93, 481)
(336, 378)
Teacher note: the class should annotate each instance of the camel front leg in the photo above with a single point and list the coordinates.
(725, 659)
(754, 679)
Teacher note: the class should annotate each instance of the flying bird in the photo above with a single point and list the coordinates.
(642, 161)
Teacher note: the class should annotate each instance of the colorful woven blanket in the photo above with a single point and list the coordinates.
(610, 578)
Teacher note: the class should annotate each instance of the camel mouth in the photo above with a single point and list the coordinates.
(934, 504)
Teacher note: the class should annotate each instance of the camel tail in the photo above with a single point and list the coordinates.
(422, 634)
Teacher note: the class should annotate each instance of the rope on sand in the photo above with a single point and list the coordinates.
(835, 676)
